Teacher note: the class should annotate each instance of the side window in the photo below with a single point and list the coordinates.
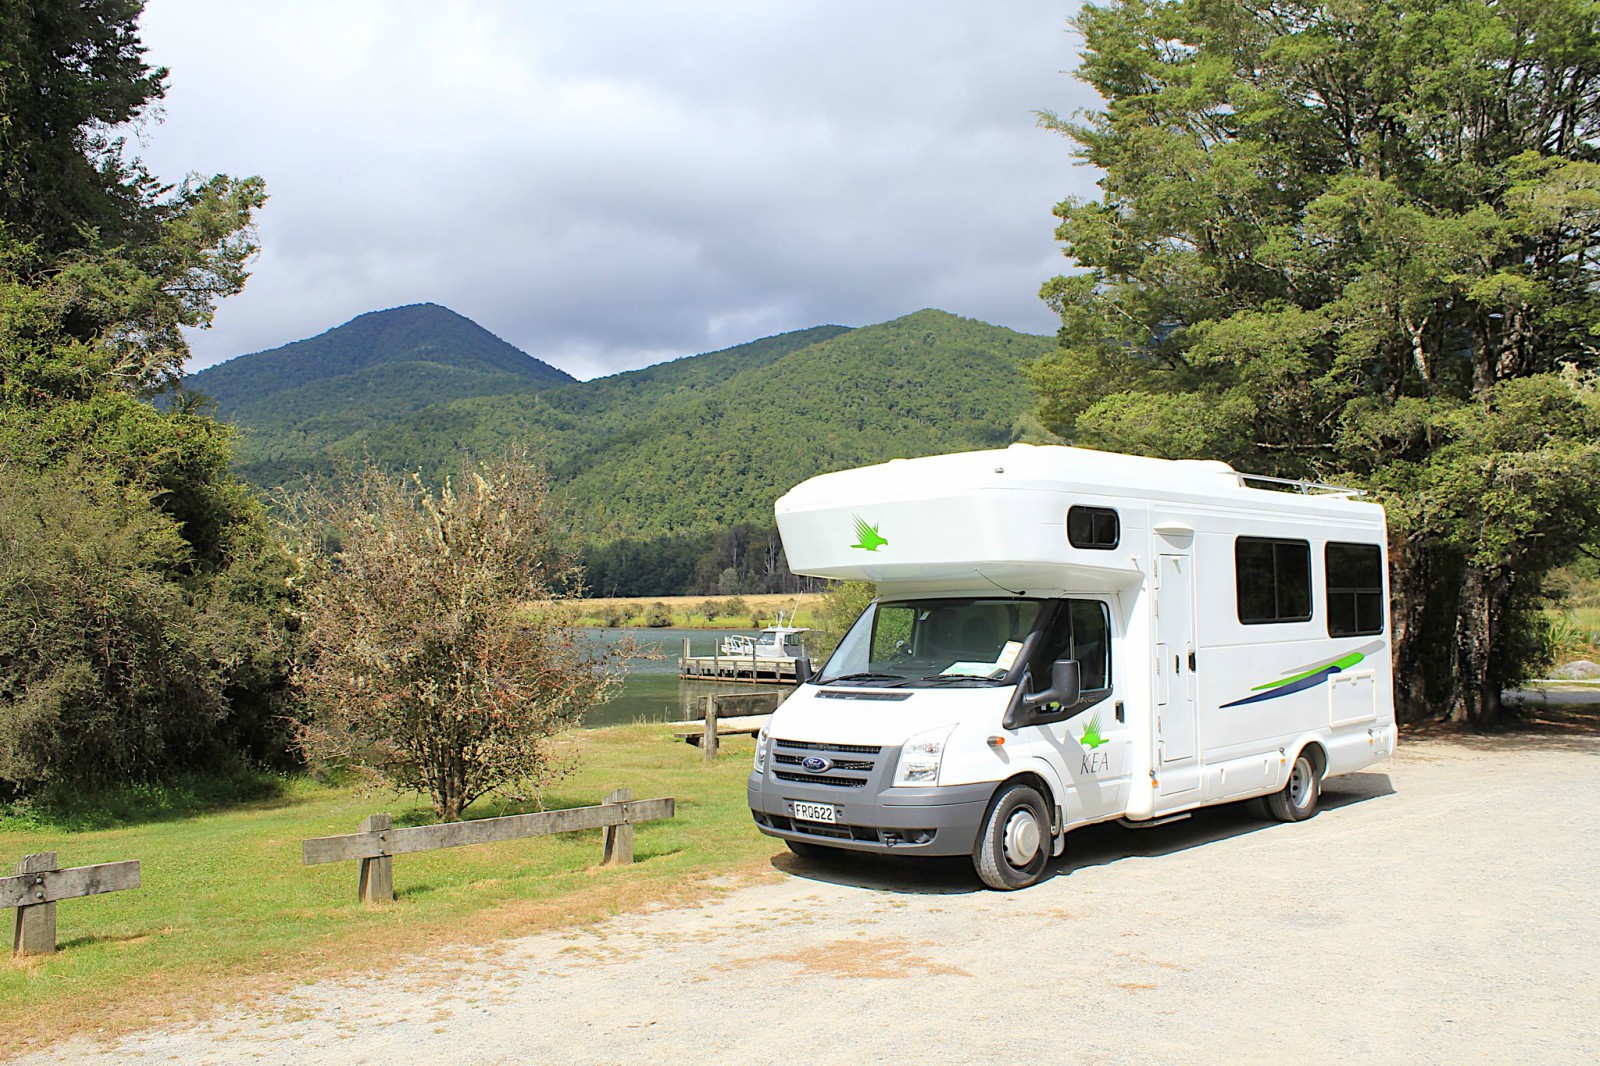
(1093, 527)
(1082, 631)
(1091, 642)
(1272, 580)
(1354, 574)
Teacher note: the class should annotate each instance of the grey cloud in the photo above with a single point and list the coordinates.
(606, 185)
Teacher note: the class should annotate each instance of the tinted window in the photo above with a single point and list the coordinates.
(1093, 527)
(1354, 575)
(1272, 579)
(1081, 630)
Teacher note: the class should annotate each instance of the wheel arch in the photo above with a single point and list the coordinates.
(1042, 785)
(1318, 755)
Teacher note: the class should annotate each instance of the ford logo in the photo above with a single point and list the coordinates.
(816, 764)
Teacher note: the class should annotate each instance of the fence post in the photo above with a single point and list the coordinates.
(618, 838)
(36, 925)
(377, 875)
(708, 743)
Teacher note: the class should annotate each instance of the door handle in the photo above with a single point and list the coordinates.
(1191, 660)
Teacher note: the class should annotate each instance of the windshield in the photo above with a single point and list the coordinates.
(921, 643)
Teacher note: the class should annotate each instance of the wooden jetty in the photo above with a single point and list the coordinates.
(750, 669)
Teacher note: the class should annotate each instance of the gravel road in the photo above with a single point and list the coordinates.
(1442, 909)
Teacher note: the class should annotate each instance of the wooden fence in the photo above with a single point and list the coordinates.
(728, 715)
(377, 842)
(39, 882)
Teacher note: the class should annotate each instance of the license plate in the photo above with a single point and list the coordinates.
(815, 812)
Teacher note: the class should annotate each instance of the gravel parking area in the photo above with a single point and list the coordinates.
(1441, 909)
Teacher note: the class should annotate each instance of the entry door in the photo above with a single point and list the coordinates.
(1175, 687)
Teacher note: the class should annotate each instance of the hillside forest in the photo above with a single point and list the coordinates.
(668, 473)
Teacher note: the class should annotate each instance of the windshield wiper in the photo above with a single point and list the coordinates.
(866, 675)
(950, 679)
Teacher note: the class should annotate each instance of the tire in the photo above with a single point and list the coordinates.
(811, 851)
(1014, 844)
(1297, 800)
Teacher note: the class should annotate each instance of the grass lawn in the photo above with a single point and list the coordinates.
(226, 909)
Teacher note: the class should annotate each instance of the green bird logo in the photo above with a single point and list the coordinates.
(867, 538)
(1091, 738)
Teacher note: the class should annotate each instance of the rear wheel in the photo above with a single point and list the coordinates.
(1013, 846)
(1297, 800)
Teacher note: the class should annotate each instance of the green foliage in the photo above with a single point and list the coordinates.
(1358, 243)
(371, 371)
(143, 633)
(663, 464)
(840, 608)
(436, 657)
(71, 71)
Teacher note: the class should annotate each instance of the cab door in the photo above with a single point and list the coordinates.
(1093, 744)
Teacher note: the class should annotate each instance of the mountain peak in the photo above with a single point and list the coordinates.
(426, 340)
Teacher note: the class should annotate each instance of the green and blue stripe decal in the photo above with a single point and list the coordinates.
(1309, 676)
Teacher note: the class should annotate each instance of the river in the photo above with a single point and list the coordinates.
(651, 689)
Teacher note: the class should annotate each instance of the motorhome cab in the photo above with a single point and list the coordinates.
(1065, 636)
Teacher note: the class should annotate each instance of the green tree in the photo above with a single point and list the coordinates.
(841, 605)
(437, 655)
(158, 546)
(1355, 241)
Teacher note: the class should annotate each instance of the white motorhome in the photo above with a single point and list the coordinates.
(1065, 636)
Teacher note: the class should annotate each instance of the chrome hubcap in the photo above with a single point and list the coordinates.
(1022, 837)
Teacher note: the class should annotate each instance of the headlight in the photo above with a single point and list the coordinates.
(761, 752)
(919, 759)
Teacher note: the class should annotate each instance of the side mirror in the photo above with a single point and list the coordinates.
(802, 669)
(1053, 704)
(1066, 683)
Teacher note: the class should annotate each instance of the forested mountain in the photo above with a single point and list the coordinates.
(372, 370)
(671, 471)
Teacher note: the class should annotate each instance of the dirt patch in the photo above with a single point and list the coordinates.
(876, 959)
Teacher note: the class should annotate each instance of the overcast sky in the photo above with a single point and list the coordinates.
(606, 185)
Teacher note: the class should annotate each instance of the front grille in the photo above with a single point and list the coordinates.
(822, 829)
(838, 764)
(853, 749)
(854, 765)
(821, 779)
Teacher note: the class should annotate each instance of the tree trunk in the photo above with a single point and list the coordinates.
(1479, 670)
(1409, 572)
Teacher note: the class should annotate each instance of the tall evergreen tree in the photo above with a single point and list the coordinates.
(143, 630)
(1355, 240)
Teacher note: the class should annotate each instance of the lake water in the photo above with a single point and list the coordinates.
(651, 689)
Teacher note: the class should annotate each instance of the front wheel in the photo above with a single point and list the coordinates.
(1297, 800)
(1013, 846)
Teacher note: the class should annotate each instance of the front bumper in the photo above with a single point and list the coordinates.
(871, 814)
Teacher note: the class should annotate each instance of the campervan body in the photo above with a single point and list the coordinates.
(1064, 636)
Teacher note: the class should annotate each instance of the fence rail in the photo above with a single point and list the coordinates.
(376, 844)
(39, 883)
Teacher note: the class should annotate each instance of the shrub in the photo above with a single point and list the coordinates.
(426, 667)
(120, 660)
